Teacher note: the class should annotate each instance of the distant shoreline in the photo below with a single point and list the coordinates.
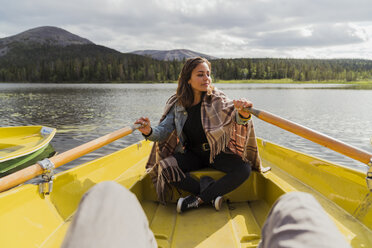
(247, 81)
(290, 81)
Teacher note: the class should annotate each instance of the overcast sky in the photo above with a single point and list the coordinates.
(221, 28)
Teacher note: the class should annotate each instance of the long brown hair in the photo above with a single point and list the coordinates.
(185, 95)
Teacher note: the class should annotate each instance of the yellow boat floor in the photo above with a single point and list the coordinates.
(235, 225)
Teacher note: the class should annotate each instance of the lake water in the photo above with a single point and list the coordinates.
(83, 112)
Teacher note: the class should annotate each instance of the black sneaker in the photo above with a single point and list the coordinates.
(186, 203)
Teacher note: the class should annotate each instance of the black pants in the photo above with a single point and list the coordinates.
(237, 171)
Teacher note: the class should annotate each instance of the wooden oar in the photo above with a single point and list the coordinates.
(32, 171)
(319, 138)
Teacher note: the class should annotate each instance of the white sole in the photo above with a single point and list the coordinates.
(218, 203)
(179, 205)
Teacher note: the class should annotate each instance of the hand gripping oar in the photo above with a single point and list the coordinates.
(32, 171)
(319, 138)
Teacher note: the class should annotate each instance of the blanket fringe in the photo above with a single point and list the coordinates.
(167, 172)
(219, 145)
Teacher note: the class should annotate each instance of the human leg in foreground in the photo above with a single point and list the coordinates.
(109, 215)
(298, 220)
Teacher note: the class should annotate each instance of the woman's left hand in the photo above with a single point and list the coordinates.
(241, 104)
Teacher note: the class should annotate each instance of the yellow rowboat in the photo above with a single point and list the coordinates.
(28, 219)
(23, 146)
(31, 219)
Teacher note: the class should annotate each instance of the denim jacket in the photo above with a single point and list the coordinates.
(175, 119)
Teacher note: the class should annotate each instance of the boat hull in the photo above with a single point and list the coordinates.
(23, 146)
(11, 166)
(34, 220)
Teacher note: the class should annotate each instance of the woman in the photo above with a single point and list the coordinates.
(200, 128)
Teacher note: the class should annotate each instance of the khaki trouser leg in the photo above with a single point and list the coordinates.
(297, 220)
(109, 215)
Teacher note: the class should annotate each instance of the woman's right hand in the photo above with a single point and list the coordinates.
(145, 125)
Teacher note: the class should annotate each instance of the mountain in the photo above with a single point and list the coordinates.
(51, 54)
(46, 35)
(176, 54)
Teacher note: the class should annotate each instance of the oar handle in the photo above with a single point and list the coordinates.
(32, 171)
(312, 135)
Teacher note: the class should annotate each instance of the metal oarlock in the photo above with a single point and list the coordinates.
(46, 186)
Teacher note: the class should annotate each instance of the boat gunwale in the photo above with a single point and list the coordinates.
(45, 142)
(59, 228)
(335, 164)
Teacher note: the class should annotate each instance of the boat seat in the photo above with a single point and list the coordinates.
(251, 190)
(248, 191)
(215, 174)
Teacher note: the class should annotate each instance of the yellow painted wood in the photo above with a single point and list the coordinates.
(344, 186)
(16, 142)
(28, 220)
(32, 171)
(241, 213)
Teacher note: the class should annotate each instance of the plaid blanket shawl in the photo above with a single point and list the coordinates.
(218, 120)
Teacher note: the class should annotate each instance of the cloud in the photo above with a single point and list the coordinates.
(320, 35)
(222, 28)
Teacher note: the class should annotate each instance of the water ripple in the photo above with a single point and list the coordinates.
(83, 112)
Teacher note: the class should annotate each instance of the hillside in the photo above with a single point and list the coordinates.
(50, 54)
(47, 35)
(169, 55)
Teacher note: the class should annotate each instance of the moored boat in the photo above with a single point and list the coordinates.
(23, 146)
(29, 218)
